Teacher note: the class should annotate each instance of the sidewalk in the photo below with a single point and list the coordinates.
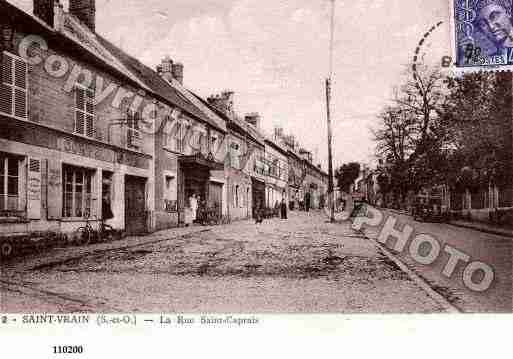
(483, 227)
(478, 226)
(63, 254)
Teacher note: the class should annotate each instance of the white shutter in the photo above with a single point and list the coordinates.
(13, 87)
(34, 189)
(90, 115)
(79, 112)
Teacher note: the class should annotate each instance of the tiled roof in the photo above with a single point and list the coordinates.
(242, 125)
(146, 77)
(160, 86)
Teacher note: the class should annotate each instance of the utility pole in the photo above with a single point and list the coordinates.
(331, 192)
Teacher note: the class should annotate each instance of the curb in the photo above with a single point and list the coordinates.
(467, 226)
(419, 281)
(484, 230)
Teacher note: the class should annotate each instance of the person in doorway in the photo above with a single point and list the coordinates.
(258, 213)
(106, 209)
(307, 202)
(283, 208)
(202, 210)
(193, 204)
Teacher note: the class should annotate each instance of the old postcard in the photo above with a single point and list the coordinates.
(214, 164)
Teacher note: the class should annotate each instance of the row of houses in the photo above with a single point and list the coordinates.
(86, 125)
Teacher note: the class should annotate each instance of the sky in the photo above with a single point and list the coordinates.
(274, 54)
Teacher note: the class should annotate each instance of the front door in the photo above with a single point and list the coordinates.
(135, 205)
(215, 196)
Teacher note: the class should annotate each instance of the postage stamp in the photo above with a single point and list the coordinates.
(483, 34)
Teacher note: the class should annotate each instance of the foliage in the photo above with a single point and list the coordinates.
(346, 175)
(456, 131)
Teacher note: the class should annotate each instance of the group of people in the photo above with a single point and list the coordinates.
(281, 206)
(197, 204)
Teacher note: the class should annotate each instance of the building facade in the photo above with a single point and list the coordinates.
(70, 143)
(276, 170)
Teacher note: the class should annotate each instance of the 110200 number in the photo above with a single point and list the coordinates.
(68, 349)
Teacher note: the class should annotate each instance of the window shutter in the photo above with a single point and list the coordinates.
(20, 103)
(7, 65)
(90, 115)
(20, 74)
(79, 122)
(54, 189)
(34, 189)
(89, 125)
(5, 99)
(13, 87)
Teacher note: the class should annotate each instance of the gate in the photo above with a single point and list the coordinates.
(135, 205)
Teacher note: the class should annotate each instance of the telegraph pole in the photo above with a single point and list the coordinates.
(331, 192)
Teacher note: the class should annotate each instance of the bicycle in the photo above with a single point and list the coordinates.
(107, 233)
(87, 233)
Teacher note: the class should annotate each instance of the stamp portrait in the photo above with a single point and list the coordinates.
(483, 31)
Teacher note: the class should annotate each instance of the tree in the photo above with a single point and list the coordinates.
(346, 175)
(477, 114)
(409, 136)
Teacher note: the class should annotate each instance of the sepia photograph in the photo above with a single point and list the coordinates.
(249, 157)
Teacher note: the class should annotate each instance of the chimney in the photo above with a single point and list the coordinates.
(44, 9)
(278, 133)
(85, 11)
(177, 72)
(253, 119)
(165, 69)
(223, 102)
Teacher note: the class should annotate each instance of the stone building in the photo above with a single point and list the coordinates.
(245, 145)
(71, 138)
(190, 154)
(84, 122)
(276, 173)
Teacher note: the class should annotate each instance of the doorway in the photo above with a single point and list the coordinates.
(135, 205)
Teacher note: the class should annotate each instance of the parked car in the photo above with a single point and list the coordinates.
(429, 209)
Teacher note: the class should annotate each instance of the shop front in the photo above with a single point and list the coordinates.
(55, 182)
(195, 173)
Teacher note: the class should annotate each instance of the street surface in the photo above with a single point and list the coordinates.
(299, 265)
(494, 250)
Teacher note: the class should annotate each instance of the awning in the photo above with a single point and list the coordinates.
(199, 159)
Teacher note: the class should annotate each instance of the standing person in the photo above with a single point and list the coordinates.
(193, 203)
(307, 201)
(283, 208)
(258, 213)
(106, 209)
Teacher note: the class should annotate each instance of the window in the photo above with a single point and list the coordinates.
(170, 194)
(235, 155)
(77, 192)
(9, 183)
(13, 87)
(133, 133)
(84, 111)
(213, 143)
(177, 138)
